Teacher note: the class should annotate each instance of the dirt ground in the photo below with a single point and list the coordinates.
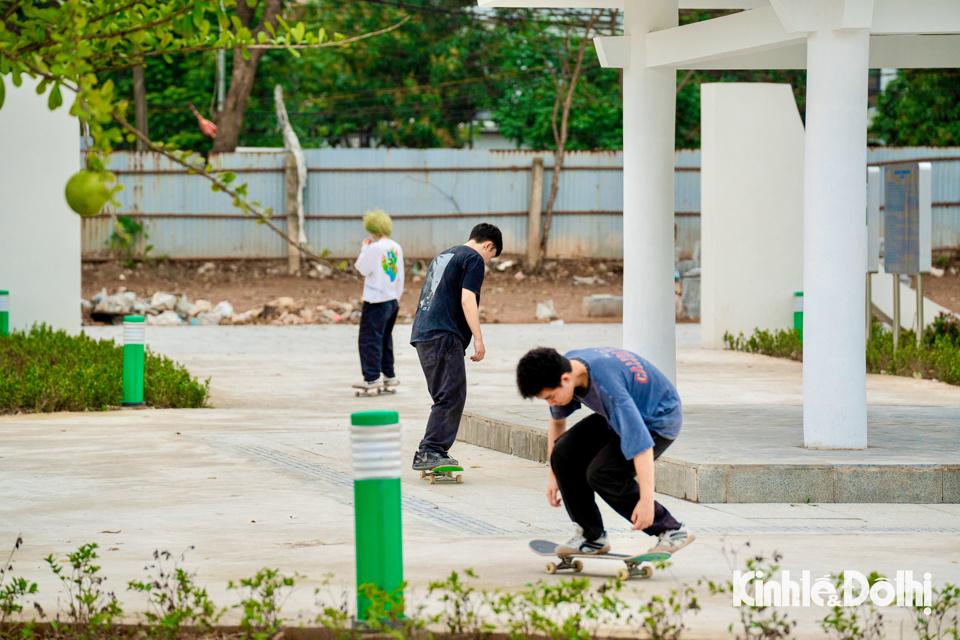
(248, 284)
(944, 291)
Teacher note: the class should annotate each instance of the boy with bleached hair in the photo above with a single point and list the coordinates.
(381, 264)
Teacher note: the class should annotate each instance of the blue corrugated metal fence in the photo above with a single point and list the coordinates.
(434, 195)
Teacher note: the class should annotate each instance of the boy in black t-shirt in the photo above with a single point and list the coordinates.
(448, 314)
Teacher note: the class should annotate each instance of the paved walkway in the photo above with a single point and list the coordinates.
(263, 479)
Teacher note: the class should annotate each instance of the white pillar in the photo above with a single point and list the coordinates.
(649, 111)
(834, 370)
(39, 234)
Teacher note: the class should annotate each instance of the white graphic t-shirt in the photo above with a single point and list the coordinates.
(381, 264)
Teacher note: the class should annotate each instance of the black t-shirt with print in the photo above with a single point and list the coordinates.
(439, 310)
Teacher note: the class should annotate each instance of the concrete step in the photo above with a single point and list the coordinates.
(755, 454)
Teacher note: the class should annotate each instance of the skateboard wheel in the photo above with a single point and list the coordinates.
(623, 574)
(423, 474)
(646, 572)
(551, 568)
(433, 479)
(459, 479)
(577, 566)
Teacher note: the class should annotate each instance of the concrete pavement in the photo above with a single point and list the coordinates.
(264, 478)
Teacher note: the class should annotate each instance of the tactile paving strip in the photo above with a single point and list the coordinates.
(461, 523)
(423, 508)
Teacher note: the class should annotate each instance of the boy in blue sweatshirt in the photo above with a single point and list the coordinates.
(637, 415)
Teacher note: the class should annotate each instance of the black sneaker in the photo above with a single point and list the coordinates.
(427, 460)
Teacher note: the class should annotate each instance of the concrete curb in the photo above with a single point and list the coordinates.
(756, 483)
(500, 435)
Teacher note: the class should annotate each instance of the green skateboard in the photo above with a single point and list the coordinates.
(443, 474)
(635, 566)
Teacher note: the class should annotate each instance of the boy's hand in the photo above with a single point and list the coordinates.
(642, 514)
(552, 489)
(366, 241)
(478, 350)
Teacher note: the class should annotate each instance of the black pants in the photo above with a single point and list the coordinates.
(376, 338)
(442, 362)
(587, 460)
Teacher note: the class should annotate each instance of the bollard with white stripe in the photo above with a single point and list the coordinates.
(4, 313)
(375, 444)
(134, 337)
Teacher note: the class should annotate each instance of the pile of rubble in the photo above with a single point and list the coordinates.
(168, 309)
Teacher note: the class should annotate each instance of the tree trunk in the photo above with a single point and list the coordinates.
(230, 120)
(140, 103)
(560, 133)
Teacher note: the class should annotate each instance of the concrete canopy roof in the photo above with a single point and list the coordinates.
(771, 34)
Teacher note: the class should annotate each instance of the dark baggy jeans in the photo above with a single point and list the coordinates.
(442, 362)
(376, 338)
(586, 460)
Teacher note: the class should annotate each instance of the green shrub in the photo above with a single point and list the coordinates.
(777, 343)
(937, 358)
(45, 370)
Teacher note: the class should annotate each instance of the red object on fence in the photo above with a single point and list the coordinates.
(206, 127)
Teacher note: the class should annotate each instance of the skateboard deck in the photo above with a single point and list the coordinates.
(634, 563)
(372, 391)
(443, 474)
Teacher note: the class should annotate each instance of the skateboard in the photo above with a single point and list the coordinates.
(443, 474)
(373, 391)
(633, 568)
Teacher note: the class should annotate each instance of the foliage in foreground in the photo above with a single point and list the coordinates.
(936, 358)
(44, 370)
(177, 607)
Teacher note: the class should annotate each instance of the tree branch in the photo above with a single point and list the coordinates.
(319, 45)
(115, 11)
(104, 36)
(685, 80)
(225, 187)
(12, 9)
(220, 184)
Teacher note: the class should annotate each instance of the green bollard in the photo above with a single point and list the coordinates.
(134, 336)
(4, 313)
(798, 312)
(375, 444)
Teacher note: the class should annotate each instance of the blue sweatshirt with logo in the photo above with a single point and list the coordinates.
(633, 395)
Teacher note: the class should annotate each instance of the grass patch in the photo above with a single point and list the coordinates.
(936, 358)
(45, 370)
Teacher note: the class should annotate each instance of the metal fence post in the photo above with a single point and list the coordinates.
(533, 213)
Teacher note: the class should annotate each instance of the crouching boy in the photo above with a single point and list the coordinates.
(637, 415)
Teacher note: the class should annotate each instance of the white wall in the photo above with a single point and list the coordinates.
(39, 233)
(751, 223)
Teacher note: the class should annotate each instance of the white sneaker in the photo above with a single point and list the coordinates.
(390, 382)
(673, 540)
(367, 385)
(578, 544)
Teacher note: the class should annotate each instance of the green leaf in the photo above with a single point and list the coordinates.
(298, 31)
(3, 92)
(55, 99)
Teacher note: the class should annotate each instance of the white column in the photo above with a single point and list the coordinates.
(834, 371)
(39, 234)
(649, 108)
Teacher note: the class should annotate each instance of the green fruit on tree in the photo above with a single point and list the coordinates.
(87, 192)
